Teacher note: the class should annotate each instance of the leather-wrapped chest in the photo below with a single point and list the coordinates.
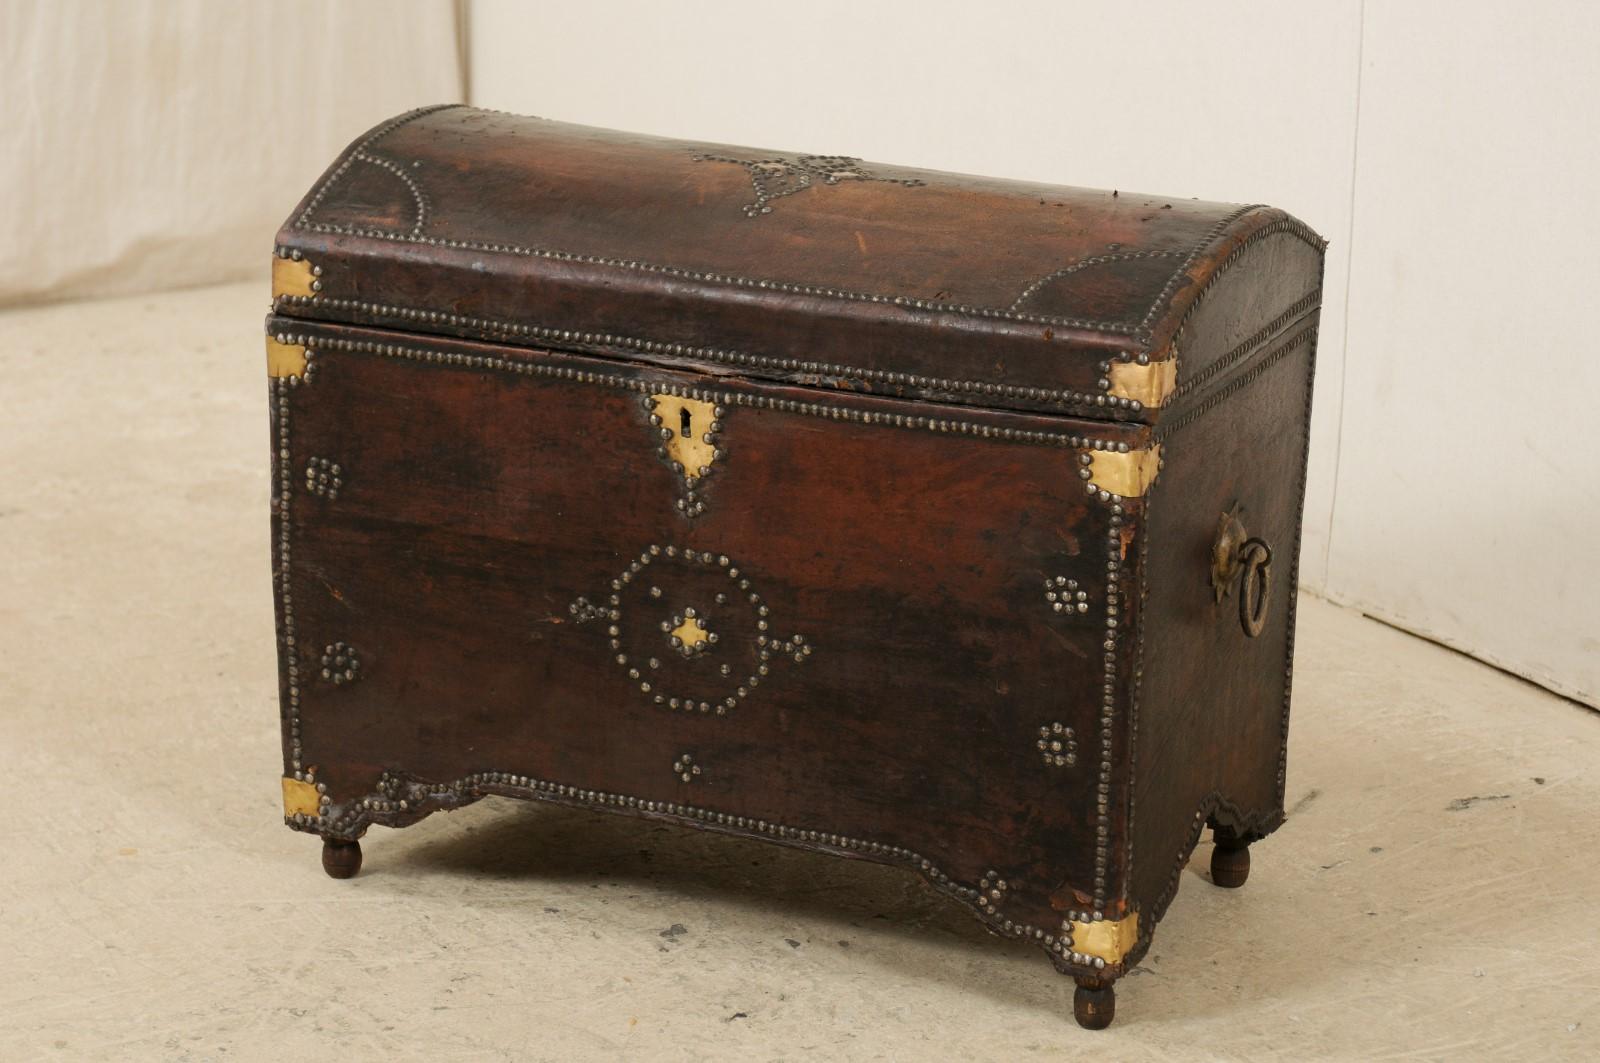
(928, 519)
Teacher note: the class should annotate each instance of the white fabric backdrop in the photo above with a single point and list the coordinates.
(159, 143)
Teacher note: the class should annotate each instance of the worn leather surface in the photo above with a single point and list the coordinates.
(807, 269)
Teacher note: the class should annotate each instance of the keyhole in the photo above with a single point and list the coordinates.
(683, 421)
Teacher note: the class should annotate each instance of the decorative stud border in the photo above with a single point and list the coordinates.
(1294, 568)
(282, 505)
(401, 799)
(1108, 710)
(832, 411)
(280, 387)
(1167, 429)
(1246, 347)
(1132, 330)
(574, 339)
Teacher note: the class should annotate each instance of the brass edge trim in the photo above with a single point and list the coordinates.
(300, 797)
(294, 276)
(1126, 473)
(285, 359)
(1150, 384)
(1106, 939)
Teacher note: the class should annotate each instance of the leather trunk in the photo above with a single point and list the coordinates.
(936, 520)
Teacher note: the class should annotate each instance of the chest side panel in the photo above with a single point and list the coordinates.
(881, 621)
(1212, 709)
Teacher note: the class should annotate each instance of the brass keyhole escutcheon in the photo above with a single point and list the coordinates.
(1238, 555)
(685, 424)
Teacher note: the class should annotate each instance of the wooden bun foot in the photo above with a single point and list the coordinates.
(1094, 1003)
(341, 859)
(1230, 863)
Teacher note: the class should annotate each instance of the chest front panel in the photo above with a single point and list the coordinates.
(871, 619)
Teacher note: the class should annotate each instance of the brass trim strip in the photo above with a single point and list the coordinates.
(1127, 473)
(1150, 384)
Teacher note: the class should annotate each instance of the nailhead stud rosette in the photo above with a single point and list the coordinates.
(340, 663)
(1058, 745)
(1065, 596)
(324, 477)
(685, 768)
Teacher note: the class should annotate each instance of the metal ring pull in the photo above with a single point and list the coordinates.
(1237, 554)
(1255, 588)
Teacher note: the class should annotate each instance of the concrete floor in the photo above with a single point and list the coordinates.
(1435, 894)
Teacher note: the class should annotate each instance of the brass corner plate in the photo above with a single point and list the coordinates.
(285, 359)
(1150, 384)
(300, 797)
(1126, 473)
(1107, 939)
(293, 276)
(684, 425)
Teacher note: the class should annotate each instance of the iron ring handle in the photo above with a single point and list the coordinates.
(1255, 586)
(1238, 555)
